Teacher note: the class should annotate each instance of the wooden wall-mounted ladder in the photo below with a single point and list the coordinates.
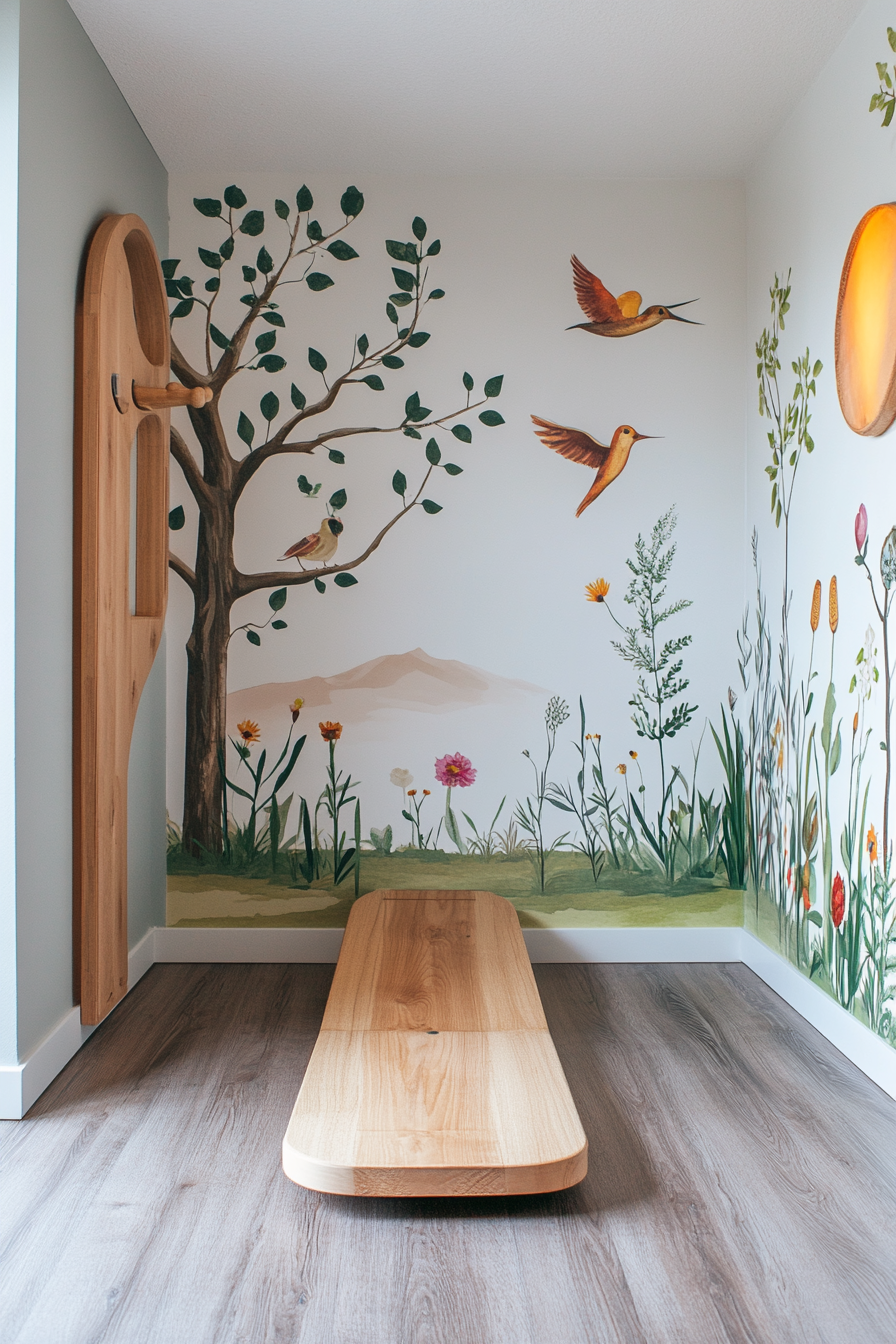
(120, 572)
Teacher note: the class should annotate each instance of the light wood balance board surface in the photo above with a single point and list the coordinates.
(434, 1072)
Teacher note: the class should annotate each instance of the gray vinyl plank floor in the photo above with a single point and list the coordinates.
(742, 1183)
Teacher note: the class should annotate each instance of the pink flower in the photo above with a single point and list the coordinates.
(861, 527)
(455, 772)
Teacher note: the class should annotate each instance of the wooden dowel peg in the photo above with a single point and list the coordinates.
(175, 394)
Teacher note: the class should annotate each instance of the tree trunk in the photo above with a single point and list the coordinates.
(207, 679)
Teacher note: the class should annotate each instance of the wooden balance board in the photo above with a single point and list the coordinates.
(434, 1072)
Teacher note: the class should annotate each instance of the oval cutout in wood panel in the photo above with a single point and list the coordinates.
(865, 333)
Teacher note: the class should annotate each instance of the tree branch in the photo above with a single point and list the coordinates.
(185, 572)
(188, 465)
(184, 370)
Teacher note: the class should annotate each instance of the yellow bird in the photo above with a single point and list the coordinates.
(620, 316)
(578, 446)
(317, 545)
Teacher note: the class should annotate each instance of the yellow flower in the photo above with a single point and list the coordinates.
(855, 723)
(597, 591)
(833, 608)
(634, 755)
(330, 732)
(248, 731)
(295, 707)
(621, 769)
(871, 845)
(816, 606)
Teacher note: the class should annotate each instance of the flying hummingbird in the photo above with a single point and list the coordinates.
(317, 545)
(617, 317)
(578, 446)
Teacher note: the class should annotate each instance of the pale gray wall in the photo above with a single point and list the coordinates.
(82, 154)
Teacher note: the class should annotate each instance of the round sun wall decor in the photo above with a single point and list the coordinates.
(865, 334)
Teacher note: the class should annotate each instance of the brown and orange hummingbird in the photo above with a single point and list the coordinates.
(621, 316)
(608, 460)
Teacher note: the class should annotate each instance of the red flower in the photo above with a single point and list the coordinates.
(455, 771)
(330, 732)
(861, 527)
(838, 902)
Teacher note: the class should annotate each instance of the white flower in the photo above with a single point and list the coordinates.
(402, 779)
(863, 678)
(869, 649)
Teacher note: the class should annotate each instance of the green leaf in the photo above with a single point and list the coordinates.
(214, 284)
(245, 429)
(278, 625)
(815, 918)
(226, 248)
(493, 386)
(272, 363)
(400, 483)
(345, 580)
(281, 209)
(341, 251)
(298, 398)
(248, 299)
(401, 300)
(411, 433)
(264, 261)
(218, 337)
(275, 319)
(183, 309)
(169, 267)
(305, 485)
(318, 281)
(316, 360)
(374, 381)
(253, 637)
(207, 206)
(253, 224)
(277, 600)
(352, 202)
(172, 289)
(437, 294)
(320, 585)
(363, 345)
(266, 341)
(235, 198)
(314, 231)
(468, 382)
(338, 499)
(417, 339)
(413, 410)
(491, 418)
(430, 507)
(270, 406)
(304, 199)
(211, 259)
(177, 518)
(337, 456)
(434, 248)
(433, 453)
(403, 279)
(419, 229)
(392, 362)
(461, 432)
(391, 313)
(249, 274)
(406, 252)
(453, 469)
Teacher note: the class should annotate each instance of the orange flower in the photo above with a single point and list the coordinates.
(838, 902)
(807, 904)
(295, 707)
(621, 769)
(596, 591)
(412, 793)
(426, 792)
(833, 607)
(248, 731)
(330, 732)
(816, 606)
(855, 723)
(871, 844)
(634, 755)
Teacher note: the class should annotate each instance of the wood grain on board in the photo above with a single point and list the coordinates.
(434, 1072)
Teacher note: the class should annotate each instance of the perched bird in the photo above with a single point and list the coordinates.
(317, 545)
(580, 447)
(617, 317)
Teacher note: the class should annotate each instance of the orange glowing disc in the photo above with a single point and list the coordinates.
(865, 334)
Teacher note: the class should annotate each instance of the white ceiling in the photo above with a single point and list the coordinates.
(585, 88)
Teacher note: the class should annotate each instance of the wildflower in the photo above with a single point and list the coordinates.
(426, 792)
(455, 772)
(596, 591)
(833, 608)
(838, 902)
(634, 755)
(401, 778)
(330, 732)
(412, 793)
(295, 707)
(871, 845)
(855, 723)
(861, 527)
(622, 769)
(249, 731)
(816, 606)
(888, 559)
(807, 904)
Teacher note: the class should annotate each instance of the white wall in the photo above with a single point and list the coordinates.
(81, 155)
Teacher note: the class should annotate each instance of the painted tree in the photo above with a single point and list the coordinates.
(218, 471)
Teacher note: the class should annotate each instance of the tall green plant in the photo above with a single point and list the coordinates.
(734, 812)
(530, 812)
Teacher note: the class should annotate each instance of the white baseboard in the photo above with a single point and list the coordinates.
(21, 1084)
